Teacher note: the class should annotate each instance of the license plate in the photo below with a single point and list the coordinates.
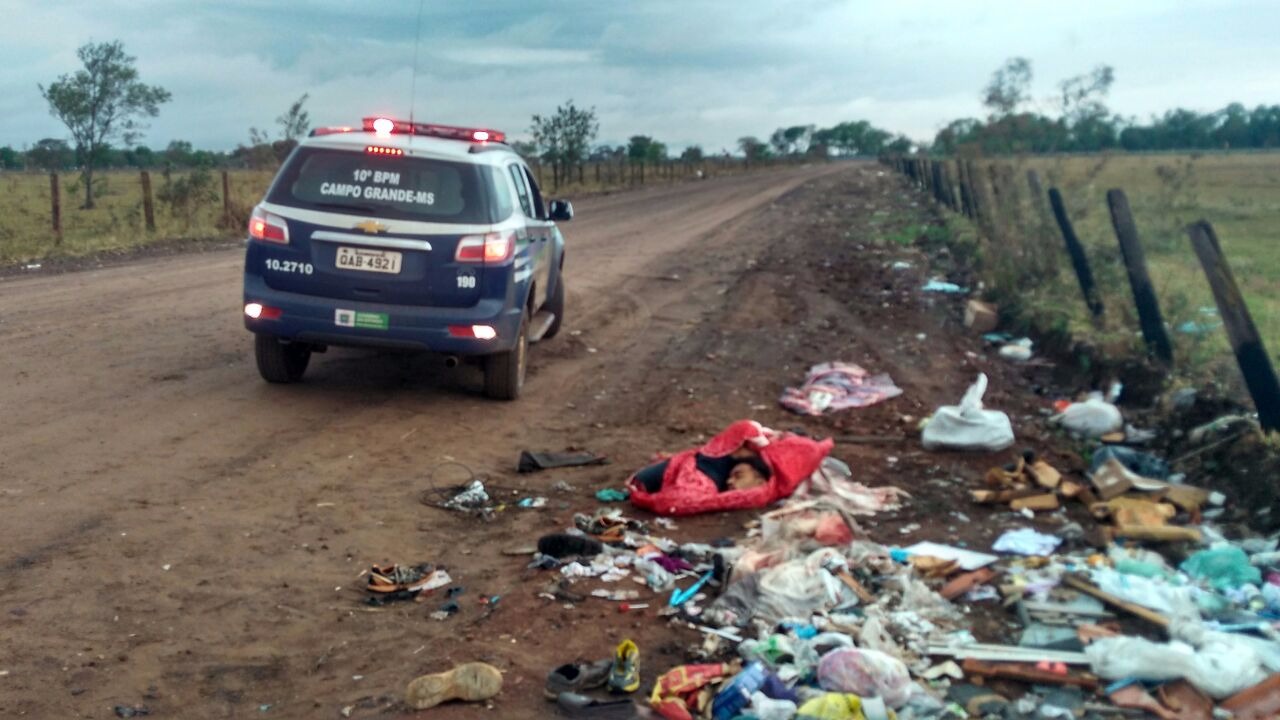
(382, 261)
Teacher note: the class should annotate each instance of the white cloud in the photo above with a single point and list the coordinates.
(684, 72)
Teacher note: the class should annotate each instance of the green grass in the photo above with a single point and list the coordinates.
(1238, 193)
(116, 223)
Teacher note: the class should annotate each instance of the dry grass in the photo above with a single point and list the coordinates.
(116, 223)
(26, 232)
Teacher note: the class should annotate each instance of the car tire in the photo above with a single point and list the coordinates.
(280, 362)
(504, 373)
(555, 305)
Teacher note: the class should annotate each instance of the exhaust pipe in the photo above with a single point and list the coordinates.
(451, 361)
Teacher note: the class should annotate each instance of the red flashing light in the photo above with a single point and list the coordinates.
(387, 126)
(492, 248)
(378, 150)
(267, 227)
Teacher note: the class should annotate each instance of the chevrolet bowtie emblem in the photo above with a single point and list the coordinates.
(371, 226)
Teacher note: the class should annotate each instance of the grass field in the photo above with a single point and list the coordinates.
(1238, 193)
(26, 232)
(117, 223)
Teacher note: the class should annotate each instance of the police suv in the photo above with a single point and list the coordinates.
(404, 235)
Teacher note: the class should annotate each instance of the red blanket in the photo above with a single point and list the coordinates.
(687, 491)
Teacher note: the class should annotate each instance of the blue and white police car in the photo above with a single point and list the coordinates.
(405, 235)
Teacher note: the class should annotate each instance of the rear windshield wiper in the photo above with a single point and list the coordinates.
(365, 209)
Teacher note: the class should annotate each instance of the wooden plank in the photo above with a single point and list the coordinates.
(1027, 672)
(1251, 355)
(1008, 653)
(1079, 583)
(1079, 260)
(1135, 262)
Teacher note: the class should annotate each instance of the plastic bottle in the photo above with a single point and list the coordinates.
(737, 694)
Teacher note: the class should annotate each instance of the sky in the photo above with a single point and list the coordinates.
(702, 72)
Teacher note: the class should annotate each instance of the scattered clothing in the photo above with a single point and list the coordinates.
(835, 386)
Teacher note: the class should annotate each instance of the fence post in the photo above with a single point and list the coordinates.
(148, 206)
(55, 209)
(226, 199)
(581, 169)
(597, 173)
(1255, 364)
(966, 195)
(1037, 194)
(1079, 260)
(1135, 261)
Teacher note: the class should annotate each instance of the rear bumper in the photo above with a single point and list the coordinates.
(308, 318)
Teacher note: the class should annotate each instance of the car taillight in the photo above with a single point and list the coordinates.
(267, 227)
(490, 248)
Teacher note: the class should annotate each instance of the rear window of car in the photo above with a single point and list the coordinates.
(403, 188)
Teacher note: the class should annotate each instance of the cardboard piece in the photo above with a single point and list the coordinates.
(1112, 480)
(1048, 501)
(1044, 474)
(1027, 672)
(981, 317)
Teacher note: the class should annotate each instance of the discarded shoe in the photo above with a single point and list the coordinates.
(561, 545)
(575, 705)
(576, 677)
(624, 677)
(469, 682)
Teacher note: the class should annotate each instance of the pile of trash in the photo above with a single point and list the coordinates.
(806, 617)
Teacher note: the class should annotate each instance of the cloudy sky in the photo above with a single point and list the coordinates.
(694, 71)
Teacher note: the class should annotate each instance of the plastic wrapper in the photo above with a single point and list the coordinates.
(866, 673)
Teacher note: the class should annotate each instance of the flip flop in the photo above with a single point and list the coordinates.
(469, 682)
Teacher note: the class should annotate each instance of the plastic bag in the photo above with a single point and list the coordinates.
(1225, 568)
(832, 706)
(866, 673)
(1092, 418)
(798, 588)
(967, 426)
(1220, 667)
(766, 708)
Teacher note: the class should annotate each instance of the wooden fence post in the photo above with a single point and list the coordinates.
(979, 211)
(148, 205)
(226, 200)
(1037, 194)
(1079, 260)
(1251, 354)
(966, 197)
(597, 173)
(1135, 261)
(55, 209)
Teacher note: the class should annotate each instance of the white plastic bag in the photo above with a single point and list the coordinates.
(1220, 667)
(1092, 418)
(967, 426)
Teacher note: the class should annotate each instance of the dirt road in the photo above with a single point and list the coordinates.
(177, 534)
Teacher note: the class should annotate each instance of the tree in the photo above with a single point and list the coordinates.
(693, 153)
(295, 122)
(10, 159)
(752, 148)
(1009, 87)
(646, 149)
(101, 102)
(564, 138)
(51, 154)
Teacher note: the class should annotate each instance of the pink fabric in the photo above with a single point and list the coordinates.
(687, 491)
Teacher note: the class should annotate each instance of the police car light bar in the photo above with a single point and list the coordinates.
(387, 126)
(332, 130)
